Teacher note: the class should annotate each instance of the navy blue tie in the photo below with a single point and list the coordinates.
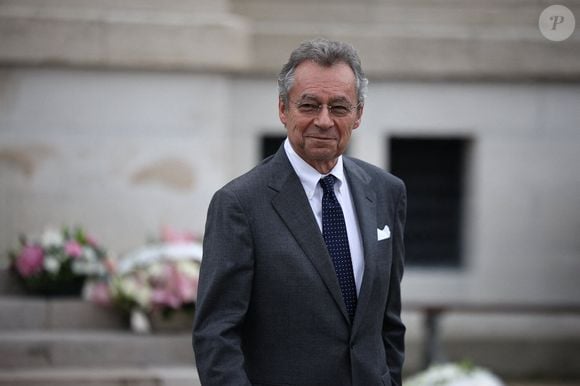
(336, 239)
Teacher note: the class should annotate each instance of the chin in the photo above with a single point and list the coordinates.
(323, 156)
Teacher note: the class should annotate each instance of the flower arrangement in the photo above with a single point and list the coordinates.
(58, 262)
(454, 374)
(153, 283)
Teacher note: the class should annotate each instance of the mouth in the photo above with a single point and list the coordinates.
(321, 138)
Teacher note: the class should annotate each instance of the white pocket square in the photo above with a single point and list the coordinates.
(383, 234)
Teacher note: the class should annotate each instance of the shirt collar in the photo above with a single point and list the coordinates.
(309, 176)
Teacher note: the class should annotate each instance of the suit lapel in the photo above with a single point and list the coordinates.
(364, 197)
(293, 207)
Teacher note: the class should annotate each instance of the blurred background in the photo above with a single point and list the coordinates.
(125, 116)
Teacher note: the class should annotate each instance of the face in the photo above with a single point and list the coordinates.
(320, 137)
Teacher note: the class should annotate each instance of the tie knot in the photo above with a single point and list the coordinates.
(328, 183)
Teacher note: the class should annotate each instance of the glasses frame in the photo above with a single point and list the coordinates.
(317, 108)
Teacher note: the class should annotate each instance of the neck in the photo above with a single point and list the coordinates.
(323, 167)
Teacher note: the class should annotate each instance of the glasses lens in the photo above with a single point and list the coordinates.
(313, 108)
(308, 108)
(339, 110)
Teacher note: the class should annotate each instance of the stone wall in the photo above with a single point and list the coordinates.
(396, 39)
(124, 116)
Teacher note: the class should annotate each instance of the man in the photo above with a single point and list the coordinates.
(303, 255)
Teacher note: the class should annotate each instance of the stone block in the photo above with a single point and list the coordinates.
(19, 313)
(520, 358)
(82, 315)
(151, 376)
(123, 35)
(43, 350)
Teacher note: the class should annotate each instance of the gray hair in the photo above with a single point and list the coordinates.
(325, 53)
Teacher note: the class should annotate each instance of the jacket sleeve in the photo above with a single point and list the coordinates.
(224, 293)
(393, 327)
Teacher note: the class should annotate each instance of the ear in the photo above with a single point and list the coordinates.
(359, 112)
(282, 112)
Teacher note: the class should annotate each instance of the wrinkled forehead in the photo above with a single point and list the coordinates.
(312, 80)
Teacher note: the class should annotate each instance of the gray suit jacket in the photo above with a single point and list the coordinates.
(269, 308)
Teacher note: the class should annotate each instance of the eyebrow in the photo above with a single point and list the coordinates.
(332, 100)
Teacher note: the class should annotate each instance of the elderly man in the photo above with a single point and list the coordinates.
(303, 255)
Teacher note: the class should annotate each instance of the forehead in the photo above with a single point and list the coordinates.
(312, 79)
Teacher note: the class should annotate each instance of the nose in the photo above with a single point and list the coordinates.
(323, 119)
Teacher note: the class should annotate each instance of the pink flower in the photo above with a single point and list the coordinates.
(165, 298)
(183, 286)
(174, 289)
(74, 249)
(98, 292)
(91, 240)
(110, 265)
(30, 261)
(170, 235)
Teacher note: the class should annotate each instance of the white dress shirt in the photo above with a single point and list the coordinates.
(310, 177)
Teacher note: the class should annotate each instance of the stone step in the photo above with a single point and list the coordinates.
(92, 349)
(132, 376)
(151, 376)
(37, 313)
(508, 357)
(38, 333)
(21, 351)
(519, 358)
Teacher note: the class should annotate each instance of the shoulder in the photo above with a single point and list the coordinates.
(376, 175)
(257, 181)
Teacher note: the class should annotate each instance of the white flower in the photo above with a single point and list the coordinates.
(51, 238)
(51, 264)
(453, 375)
(136, 291)
(80, 267)
(190, 269)
(97, 269)
(89, 254)
(139, 322)
(156, 269)
(87, 268)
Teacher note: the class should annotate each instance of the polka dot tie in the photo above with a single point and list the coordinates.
(336, 239)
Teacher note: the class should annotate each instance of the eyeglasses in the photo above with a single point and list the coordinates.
(338, 109)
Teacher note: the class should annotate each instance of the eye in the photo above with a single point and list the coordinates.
(339, 110)
(307, 107)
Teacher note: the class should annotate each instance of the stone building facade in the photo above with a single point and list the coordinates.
(125, 116)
